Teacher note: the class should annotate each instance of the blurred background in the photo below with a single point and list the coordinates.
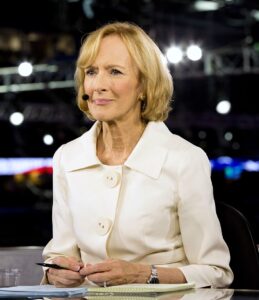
(212, 50)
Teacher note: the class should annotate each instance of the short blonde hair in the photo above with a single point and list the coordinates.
(155, 78)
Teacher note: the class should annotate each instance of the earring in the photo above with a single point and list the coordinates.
(141, 97)
(143, 101)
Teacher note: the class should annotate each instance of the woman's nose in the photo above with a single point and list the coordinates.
(100, 83)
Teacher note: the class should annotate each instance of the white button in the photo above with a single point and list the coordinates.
(103, 226)
(111, 178)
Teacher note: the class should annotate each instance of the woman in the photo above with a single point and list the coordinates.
(133, 203)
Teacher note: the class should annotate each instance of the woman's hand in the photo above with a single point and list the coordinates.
(113, 272)
(68, 277)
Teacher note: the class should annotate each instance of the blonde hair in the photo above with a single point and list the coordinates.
(155, 78)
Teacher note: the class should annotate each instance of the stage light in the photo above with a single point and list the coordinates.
(16, 118)
(48, 139)
(174, 54)
(201, 5)
(25, 69)
(251, 166)
(223, 107)
(255, 14)
(233, 172)
(194, 52)
(12, 166)
(228, 136)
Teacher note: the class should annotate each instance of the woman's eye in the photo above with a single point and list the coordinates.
(90, 72)
(115, 72)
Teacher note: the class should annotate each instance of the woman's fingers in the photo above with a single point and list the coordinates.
(69, 276)
(110, 271)
(65, 282)
(69, 263)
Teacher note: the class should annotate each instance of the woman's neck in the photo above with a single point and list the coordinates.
(116, 142)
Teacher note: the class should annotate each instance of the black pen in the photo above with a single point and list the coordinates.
(53, 266)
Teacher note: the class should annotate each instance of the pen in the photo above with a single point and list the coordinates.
(54, 266)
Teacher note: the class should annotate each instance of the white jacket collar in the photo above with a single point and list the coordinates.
(81, 152)
(147, 157)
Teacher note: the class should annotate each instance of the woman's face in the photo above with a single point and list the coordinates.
(112, 83)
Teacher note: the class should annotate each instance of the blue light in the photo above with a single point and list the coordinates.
(12, 166)
(233, 173)
(232, 167)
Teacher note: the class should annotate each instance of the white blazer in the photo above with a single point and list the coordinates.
(157, 208)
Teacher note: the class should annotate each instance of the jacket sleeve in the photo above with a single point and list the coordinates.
(205, 249)
(63, 242)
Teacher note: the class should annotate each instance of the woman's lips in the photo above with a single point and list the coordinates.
(101, 101)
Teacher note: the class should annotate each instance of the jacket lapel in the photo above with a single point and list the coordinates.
(81, 153)
(150, 153)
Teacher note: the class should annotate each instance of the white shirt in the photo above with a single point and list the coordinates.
(157, 208)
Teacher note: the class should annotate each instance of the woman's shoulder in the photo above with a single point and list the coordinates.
(78, 145)
(172, 140)
(178, 147)
(70, 146)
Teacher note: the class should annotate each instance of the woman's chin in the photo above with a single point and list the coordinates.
(104, 115)
(103, 118)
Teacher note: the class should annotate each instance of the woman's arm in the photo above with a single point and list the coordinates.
(205, 249)
(112, 272)
(63, 247)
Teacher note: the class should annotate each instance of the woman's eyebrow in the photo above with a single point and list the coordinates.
(90, 67)
(115, 66)
(106, 67)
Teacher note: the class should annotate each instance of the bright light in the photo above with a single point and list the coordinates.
(255, 14)
(223, 107)
(226, 160)
(12, 166)
(228, 136)
(174, 54)
(194, 52)
(16, 118)
(25, 69)
(48, 139)
(201, 5)
(251, 166)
